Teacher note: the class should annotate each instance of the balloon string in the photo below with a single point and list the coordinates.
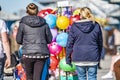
(59, 67)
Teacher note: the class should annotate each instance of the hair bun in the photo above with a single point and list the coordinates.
(32, 9)
(32, 6)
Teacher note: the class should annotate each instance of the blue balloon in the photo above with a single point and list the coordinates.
(62, 39)
(51, 20)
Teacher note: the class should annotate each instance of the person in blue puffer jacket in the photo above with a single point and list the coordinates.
(84, 45)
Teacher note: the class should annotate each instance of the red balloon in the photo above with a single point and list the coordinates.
(74, 18)
(50, 11)
(45, 12)
(53, 62)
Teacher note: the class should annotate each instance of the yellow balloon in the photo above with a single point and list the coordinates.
(62, 22)
(76, 11)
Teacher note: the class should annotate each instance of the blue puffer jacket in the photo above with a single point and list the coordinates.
(84, 42)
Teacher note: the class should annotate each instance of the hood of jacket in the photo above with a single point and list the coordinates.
(85, 26)
(33, 21)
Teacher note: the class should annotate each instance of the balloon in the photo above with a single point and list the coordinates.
(51, 20)
(42, 13)
(53, 62)
(54, 48)
(62, 22)
(74, 18)
(61, 39)
(76, 11)
(50, 11)
(66, 67)
(62, 53)
(54, 33)
(67, 12)
(68, 28)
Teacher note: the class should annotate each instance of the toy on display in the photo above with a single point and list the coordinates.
(53, 62)
(66, 67)
(54, 48)
(51, 20)
(60, 21)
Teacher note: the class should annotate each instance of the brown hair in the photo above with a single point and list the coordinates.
(86, 13)
(32, 9)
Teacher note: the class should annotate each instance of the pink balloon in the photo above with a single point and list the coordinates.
(54, 48)
(54, 33)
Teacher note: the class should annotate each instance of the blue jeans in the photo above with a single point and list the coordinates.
(87, 72)
(2, 62)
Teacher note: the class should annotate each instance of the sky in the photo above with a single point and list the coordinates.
(12, 6)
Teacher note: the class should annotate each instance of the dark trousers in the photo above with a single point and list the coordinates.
(2, 62)
(33, 68)
(117, 70)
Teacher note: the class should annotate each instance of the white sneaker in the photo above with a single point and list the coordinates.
(108, 75)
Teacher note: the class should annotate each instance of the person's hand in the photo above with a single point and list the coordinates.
(70, 65)
(7, 62)
(68, 61)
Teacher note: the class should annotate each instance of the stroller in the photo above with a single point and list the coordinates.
(18, 71)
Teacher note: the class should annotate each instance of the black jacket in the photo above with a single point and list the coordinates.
(34, 35)
(84, 42)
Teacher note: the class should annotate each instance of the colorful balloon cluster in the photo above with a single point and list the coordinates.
(57, 24)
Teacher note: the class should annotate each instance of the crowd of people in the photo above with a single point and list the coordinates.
(86, 45)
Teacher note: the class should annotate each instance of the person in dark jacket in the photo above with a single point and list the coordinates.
(34, 35)
(84, 45)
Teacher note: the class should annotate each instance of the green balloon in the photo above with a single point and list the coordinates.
(66, 67)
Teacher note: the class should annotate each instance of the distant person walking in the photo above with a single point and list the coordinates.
(34, 35)
(116, 34)
(14, 29)
(5, 60)
(84, 45)
(114, 67)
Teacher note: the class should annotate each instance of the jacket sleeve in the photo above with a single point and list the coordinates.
(48, 34)
(19, 37)
(69, 46)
